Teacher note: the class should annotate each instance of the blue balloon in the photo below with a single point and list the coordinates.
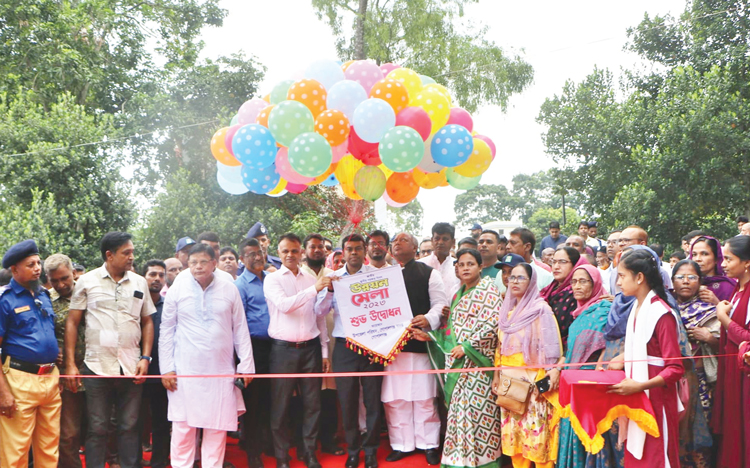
(331, 181)
(254, 146)
(231, 174)
(451, 146)
(345, 96)
(325, 72)
(260, 181)
(230, 187)
(372, 119)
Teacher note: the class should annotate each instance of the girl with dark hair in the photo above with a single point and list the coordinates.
(651, 359)
(731, 415)
(706, 251)
(558, 293)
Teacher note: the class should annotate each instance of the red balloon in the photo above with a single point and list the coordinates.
(359, 148)
(416, 118)
(295, 188)
(228, 137)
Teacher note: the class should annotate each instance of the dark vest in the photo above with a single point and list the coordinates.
(417, 281)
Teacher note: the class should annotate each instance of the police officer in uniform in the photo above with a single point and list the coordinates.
(260, 232)
(29, 394)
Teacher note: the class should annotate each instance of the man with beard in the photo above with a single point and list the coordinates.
(443, 240)
(410, 400)
(488, 242)
(315, 257)
(60, 272)
(154, 393)
(377, 248)
(29, 404)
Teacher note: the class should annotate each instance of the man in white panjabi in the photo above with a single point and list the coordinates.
(203, 324)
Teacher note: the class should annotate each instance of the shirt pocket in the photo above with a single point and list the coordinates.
(135, 306)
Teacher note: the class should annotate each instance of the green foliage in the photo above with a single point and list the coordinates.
(407, 218)
(429, 37)
(540, 219)
(484, 203)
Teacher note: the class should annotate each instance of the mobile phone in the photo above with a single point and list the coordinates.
(239, 383)
(542, 385)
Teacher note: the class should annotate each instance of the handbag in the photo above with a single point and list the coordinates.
(513, 394)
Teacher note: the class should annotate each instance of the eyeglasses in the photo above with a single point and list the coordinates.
(560, 262)
(202, 263)
(686, 277)
(582, 282)
(517, 279)
(329, 247)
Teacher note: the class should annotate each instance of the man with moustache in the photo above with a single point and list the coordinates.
(443, 240)
(488, 242)
(377, 248)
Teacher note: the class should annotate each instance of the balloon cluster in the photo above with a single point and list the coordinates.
(377, 131)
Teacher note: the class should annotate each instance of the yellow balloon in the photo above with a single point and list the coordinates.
(347, 167)
(279, 187)
(349, 191)
(346, 64)
(429, 180)
(437, 106)
(385, 170)
(442, 90)
(409, 78)
(478, 162)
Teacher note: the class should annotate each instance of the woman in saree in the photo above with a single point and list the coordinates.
(469, 340)
(706, 252)
(530, 338)
(558, 293)
(585, 344)
(703, 328)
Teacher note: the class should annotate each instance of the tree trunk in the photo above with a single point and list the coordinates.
(359, 31)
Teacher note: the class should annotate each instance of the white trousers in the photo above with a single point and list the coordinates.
(413, 424)
(183, 448)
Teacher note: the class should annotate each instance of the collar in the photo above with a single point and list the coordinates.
(284, 270)
(344, 272)
(105, 274)
(249, 276)
(16, 287)
(448, 258)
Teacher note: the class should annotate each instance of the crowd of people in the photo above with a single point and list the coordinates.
(120, 359)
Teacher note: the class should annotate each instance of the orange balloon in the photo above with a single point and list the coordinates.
(263, 115)
(401, 187)
(429, 180)
(310, 93)
(219, 148)
(323, 176)
(333, 125)
(346, 64)
(391, 91)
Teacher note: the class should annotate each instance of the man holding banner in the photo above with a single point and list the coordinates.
(346, 359)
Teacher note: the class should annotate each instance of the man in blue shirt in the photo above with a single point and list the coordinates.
(257, 395)
(29, 404)
(346, 360)
(554, 239)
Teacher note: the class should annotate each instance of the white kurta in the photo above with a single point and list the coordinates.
(200, 331)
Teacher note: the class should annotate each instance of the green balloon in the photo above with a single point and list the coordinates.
(460, 182)
(289, 119)
(310, 155)
(401, 149)
(369, 182)
(279, 92)
(234, 120)
(426, 80)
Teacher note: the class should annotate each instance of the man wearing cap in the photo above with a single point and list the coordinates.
(506, 265)
(259, 231)
(182, 250)
(443, 240)
(29, 404)
(476, 231)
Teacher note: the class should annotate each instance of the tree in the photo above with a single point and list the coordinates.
(427, 36)
(407, 218)
(484, 203)
(539, 221)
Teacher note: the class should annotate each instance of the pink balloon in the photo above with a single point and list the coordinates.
(416, 118)
(340, 151)
(249, 111)
(489, 142)
(285, 169)
(386, 68)
(228, 137)
(461, 117)
(392, 203)
(364, 72)
(295, 188)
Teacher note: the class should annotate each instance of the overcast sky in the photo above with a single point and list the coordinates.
(561, 40)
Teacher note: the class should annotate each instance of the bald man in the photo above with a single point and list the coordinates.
(745, 230)
(636, 235)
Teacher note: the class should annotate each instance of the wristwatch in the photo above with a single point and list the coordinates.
(148, 358)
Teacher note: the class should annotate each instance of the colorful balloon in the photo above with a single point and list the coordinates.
(219, 148)
(295, 188)
(426, 80)
(333, 125)
(391, 91)
(369, 182)
(254, 146)
(401, 187)
(249, 111)
(461, 117)
(260, 181)
(435, 104)
(392, 203)
(345, 96)
(310, 154)
(310, 93)
(361, 149)
(372, 119)
(346, 169)
(440, 89)
(416, 118)
(487, 140)
(409, 78)
(401, 149)
(331, 181)
(234, 120)
(228, 137)
(429, 180)
(279, 92)
(340, 151)
(286, 171)
(325, 72)
(478, 162)
(289, 119)
(280, 187)
(460, 182)
(451, 146)
(386, 68)
(364, 72)
(231, 188)
(232, 174)
(321, 178)
(428, 164)
(264, 114)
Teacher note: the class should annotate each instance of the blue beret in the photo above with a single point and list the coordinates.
(258, 229)
(476, 226)
(182, 243)
(510, 260)
(19, 251)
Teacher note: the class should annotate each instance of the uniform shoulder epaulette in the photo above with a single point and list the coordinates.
(4, 289)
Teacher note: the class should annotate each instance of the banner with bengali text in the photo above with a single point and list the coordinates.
(375, 312)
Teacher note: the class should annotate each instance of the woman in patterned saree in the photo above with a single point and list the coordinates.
(472, 436)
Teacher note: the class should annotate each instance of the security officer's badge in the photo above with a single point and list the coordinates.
(263, 230)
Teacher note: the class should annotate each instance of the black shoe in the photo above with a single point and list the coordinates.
(332, 449)
(352, 461)
(254, 461)
(311, 461)
(433, 456)
(371, 461)
(397, 455)
(282, 463)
